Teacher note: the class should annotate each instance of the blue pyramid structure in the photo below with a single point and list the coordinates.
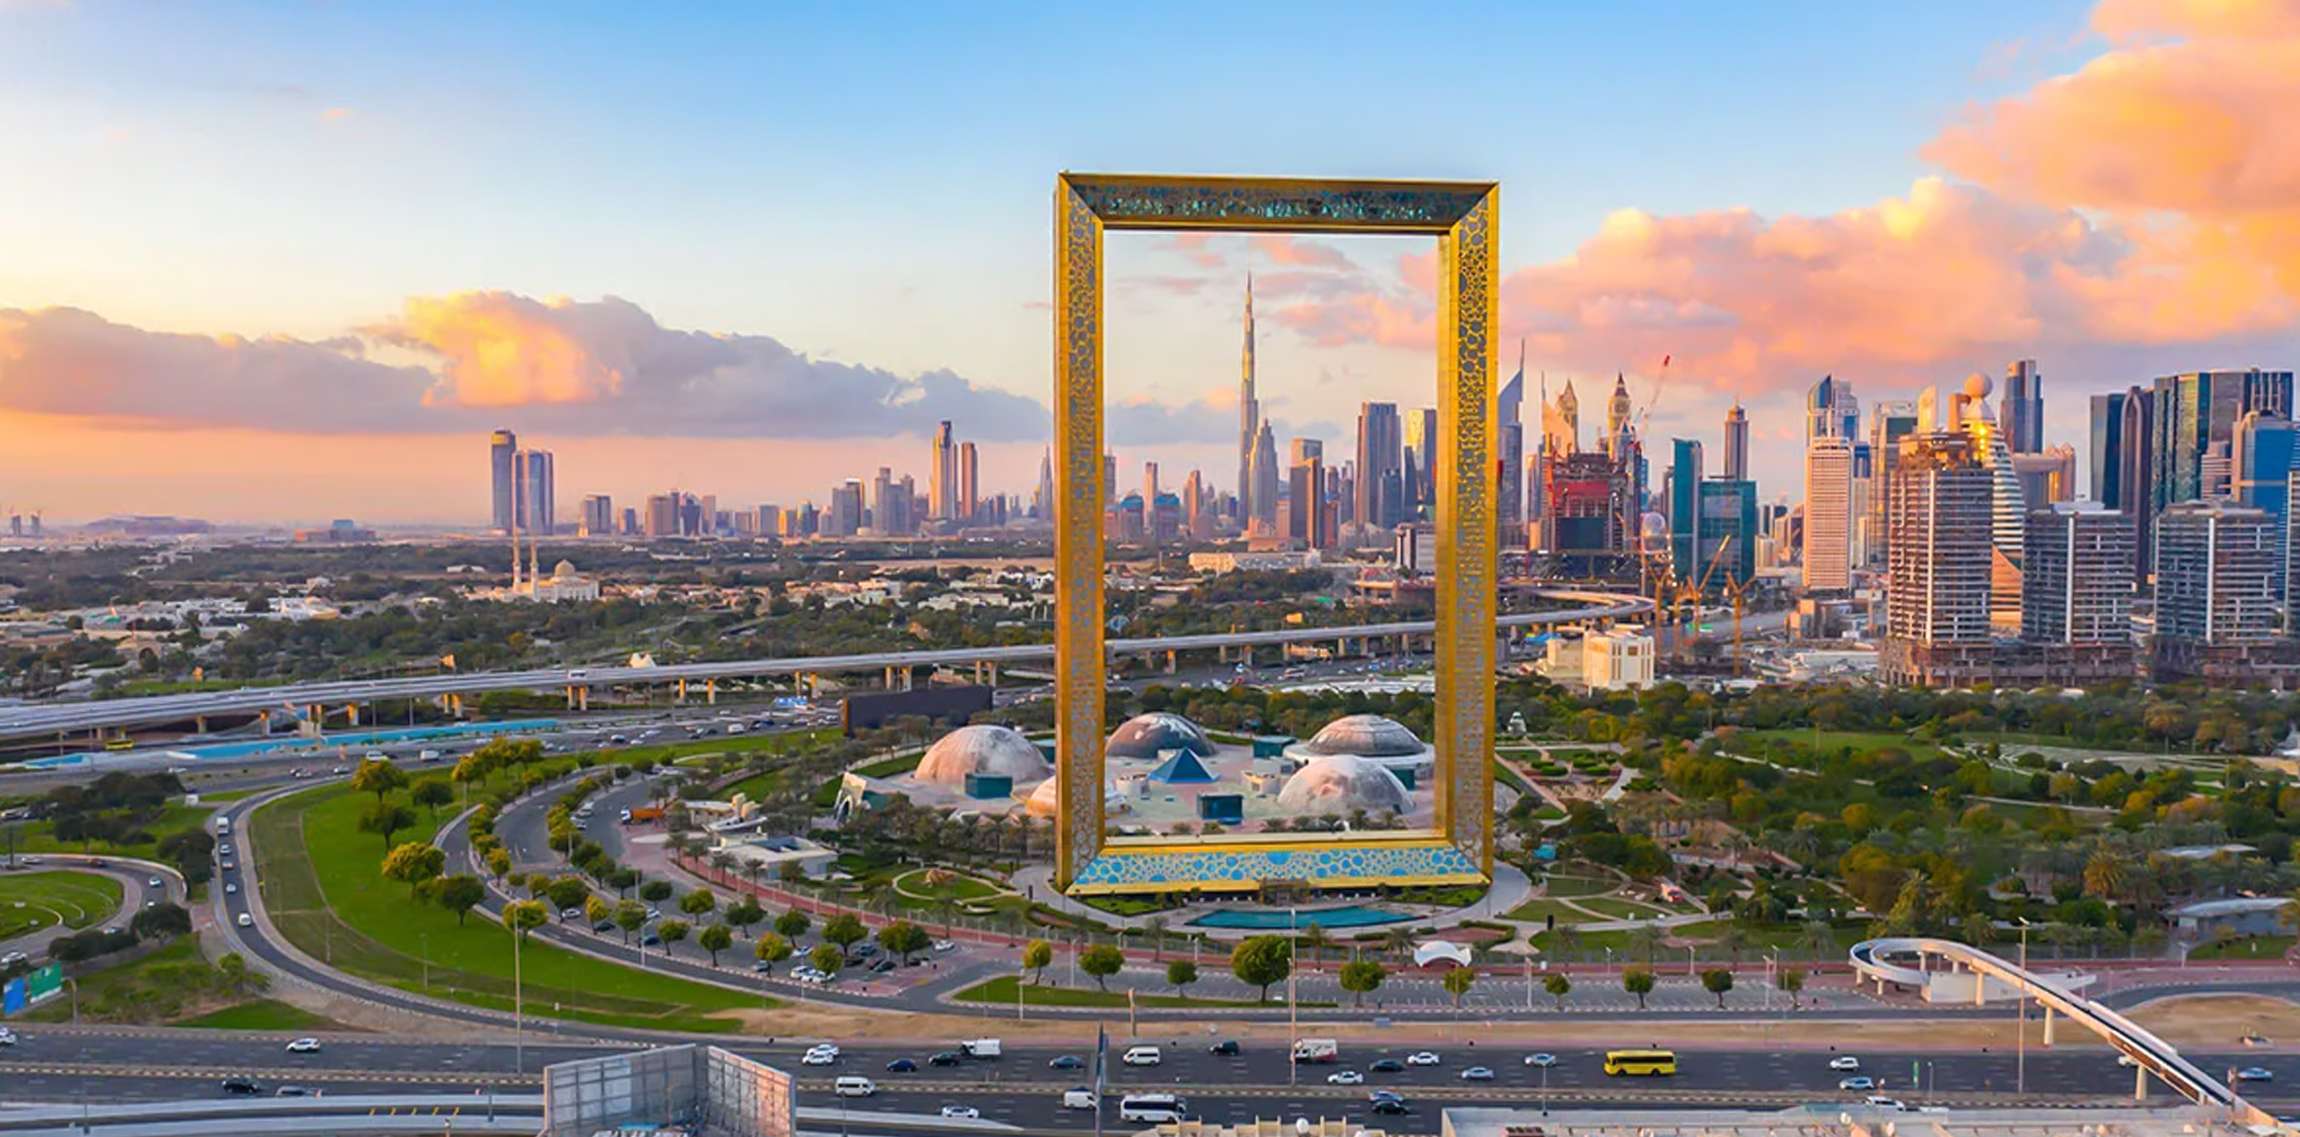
(1182, 768)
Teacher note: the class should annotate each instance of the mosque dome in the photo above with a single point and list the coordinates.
(564, 569)
(1145, 736)
(1368, 736)
(1342, 783)
(982, 749)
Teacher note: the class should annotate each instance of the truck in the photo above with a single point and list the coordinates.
(980, 1047)
(1317, 1050)
(646, 813)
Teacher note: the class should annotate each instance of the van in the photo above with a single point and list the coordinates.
(851, 1086)
(981, 1047)
(1078, 1099)
(1141, 1056)
(223, 825)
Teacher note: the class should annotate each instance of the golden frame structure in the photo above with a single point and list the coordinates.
(1465, 219)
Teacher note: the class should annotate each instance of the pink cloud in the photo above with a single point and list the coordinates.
(1286, 249)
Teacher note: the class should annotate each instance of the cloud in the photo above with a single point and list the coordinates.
(2126, 20)
(1196, 248)
(1286, 249)
(576, 368)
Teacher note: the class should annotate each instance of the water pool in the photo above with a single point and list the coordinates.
(1347, 916)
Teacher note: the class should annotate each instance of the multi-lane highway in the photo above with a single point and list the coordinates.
(38, 720)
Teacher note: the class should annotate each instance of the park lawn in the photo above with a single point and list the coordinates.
(1543, 908)
(1619, 908)
(92, 986)
(262, 1014)
(2250, 947)
(1858, 740)
(219, 796)
(321, 882)
(960, 887)
(35, 900)
(1567, 884)
(1002, 990)
(175, 817)
(766, 742)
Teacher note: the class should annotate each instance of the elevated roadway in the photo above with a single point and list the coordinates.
(60, 719)
(2149, 1055)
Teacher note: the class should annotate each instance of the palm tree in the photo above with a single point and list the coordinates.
(1733, 941)
(1568, 940)
(1155, 928)
(1314, 937)
(1818, 936)
(1645, 939)
(1398, 942)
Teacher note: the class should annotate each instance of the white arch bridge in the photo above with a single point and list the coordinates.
(1909, 961)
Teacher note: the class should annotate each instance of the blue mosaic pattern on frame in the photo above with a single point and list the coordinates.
(1182, 869)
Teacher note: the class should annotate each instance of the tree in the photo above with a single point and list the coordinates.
(413, 863)
(2104, 876)
(1637, 981)
(744, 913)
(232, 971)
(378, 777)
(698, 903)
(655, 891)
(1101, 961)
(630, 916)
(161, 921)
(1558, 987)
(431, 793)
(672, 931)
(386, 818)
(715, 939)
(904, 939)
(1155, 928)
(792, 924)
(1717, 981)
(1181, 973)
(771, 948)
(567, 892)
(1645, 939)
(845, 930)
(524, 916)
(1259, 961)
(499, 862)
(1458, 981)
(1315, 939)
(597, 911)
(1037, 956)
(1791, 980)
(459, 894)
(827, 958)
(1362, 977)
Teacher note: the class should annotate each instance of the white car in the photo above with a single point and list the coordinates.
(961, 1112)
(246, 920)
(304, 1046)
(1422, 1058)
(1345, 1078)
(822, 1055)
(229, 890)
(941, 946)
(1844, 1062)
(1880, 1101)
(7, 1037)
(1543, 1059)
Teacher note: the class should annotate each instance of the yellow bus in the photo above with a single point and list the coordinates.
(1645, 1062)
(120, 744)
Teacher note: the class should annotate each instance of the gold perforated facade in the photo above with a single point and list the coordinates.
(1464, 217)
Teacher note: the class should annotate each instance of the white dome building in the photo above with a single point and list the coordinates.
(1379, 739)
(982, 749)
(1045, 801)
(1147, 737)
(1341, 783)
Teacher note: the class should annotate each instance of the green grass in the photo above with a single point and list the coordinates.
(95, 986)
(219, 796)
(1566, 884)
(1858, 740)
(962, 888)
(2253, 947)
(1539, 909)
(744, 744)
(40, 836)
(262, 1014)
(1001, 991)
(35, 900)
(323, 889)
(1618, 908)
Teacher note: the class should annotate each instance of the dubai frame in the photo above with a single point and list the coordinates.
(1465, 219)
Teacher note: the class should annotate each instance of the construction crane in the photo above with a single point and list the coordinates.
(1737, 590)
(1689, 593)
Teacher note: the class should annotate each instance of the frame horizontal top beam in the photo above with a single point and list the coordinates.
(1276, 205)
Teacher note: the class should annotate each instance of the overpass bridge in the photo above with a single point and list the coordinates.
(61, 720)
(1879, 961)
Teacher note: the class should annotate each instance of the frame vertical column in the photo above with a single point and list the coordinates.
(1078, 660)
(1465, 532)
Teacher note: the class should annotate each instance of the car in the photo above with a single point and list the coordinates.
(154, 882)
(942, 946)
(1066, 1062)
(2127, 1061)
(246, 921)
(2255, 1074)
(603, 927)
(962, 1112)
(1844, 1063)
(863, 950)
(650, 940)
(303, 1046)
(1388, 1105)
(242, 1087)
(1477, 1074)
(1542, 1059)
(1880, 1101)
(822, 1055)
(570, 913)
(7, 1037)
(853, 1087)
(1228, 1048)
(1345, 1078)
(1857, 1082)
(1385, 1066)
(943, 1058)
(1422, 1058)
(231, 889)
(2253, 1040)
(290, 1092)
(902, 1066)
(1142, 1056)
(883, 966)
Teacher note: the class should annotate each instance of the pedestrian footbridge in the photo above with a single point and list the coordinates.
(1932, 965)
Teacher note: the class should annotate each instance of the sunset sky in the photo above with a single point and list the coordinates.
(286, 262)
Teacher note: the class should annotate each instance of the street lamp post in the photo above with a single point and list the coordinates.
(1293, 1004)
(2020, 1017)
(518, 1007)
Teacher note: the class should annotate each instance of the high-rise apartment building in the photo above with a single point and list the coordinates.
(1307, 520)
(1509, 439)
(969, 485)
(2217, 609)
(1380, 468)
(503, 473)
(1736, 443)
(2195, 410)
(889, 505)
(2107, 440)
(1197, 508)
(539, 502)
(631, 526)
(1712, 522)
(1249, 422)
(1831, 410)
(598, 518)
(942, 474)
(1828, 548)
(2022, 413)
(845, 516)
(1420, 460)
(2261, 458)
(1937, 592)
(1889, 422)
(663, 514)
(2076, 578)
